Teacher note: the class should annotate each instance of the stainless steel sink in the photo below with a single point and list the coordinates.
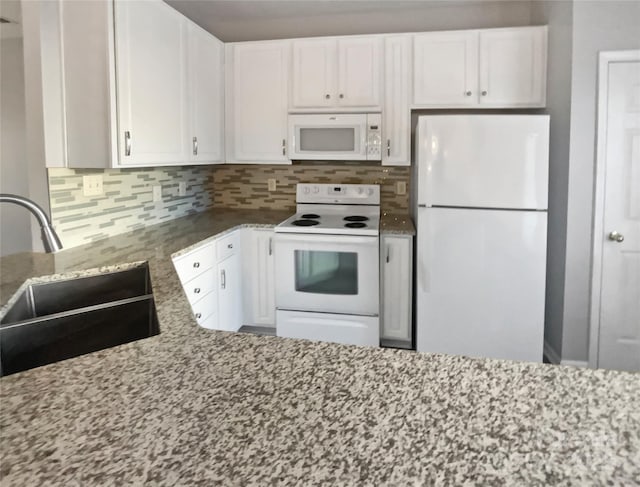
(57, 320)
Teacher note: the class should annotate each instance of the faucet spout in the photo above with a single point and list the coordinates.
(49, 237)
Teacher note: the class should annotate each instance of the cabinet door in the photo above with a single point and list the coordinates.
(513, 67)
(396, 262)
(260, 277)
(359, 72)
(229, 294)
(206, 96)
(396, 124)
(151, 83)
(314, 62)
(257, 100)
(445, 69)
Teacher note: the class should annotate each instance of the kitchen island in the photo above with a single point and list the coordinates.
(194, 406)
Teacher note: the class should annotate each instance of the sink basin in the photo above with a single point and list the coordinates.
(57, 320)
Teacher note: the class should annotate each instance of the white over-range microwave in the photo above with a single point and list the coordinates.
(335, 136)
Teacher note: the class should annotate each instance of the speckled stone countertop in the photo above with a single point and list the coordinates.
(193, 406)
(396, 224)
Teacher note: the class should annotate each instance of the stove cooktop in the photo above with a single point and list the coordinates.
(332, 223)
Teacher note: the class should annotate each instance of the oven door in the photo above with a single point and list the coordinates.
(328, 137)
(327, 273)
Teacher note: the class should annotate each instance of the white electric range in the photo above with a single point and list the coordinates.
(327, 265)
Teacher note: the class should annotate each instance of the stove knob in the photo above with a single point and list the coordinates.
(370, 191)
(306, 190)
(316, 189)
(360, 190)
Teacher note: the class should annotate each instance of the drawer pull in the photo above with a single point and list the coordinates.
(198, 316)
(230, 246)
(196, 264)
(223, 279)
(197, 290)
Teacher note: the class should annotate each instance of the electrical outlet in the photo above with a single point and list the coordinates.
(92, 185)
(157, 194)
(271, 184)
(401, 187)
(182, 188)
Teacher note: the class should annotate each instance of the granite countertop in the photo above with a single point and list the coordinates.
(194, 406)
(396, 224)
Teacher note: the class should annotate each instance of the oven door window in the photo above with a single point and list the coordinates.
(327, 139)
(322, 272)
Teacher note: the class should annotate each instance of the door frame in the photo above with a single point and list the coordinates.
(605, 59)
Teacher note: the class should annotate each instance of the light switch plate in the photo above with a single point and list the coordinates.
(271, 184)
(401, 187)
(157, 194)
(92, 185)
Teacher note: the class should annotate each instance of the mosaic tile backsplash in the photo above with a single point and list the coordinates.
(127, 200)
(245, 186)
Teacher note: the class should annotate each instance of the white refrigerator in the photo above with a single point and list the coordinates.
(481, 216)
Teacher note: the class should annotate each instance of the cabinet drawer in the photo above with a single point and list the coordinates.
(203, 284)
(205, 307)
(195, 262)
(227, 245)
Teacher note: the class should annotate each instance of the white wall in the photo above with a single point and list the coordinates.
(597, 26)
(15, 233)
(559, 17)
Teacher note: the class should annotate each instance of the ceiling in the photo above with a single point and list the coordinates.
(243, 20)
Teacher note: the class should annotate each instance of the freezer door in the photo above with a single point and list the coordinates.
(481, 282)
(483, 161)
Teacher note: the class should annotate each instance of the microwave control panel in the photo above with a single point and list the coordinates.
(374, 136)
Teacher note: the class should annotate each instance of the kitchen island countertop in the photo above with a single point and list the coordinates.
(194, 406)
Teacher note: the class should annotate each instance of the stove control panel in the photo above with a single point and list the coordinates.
(354, 194)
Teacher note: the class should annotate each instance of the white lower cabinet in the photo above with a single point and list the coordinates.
(211, 277)
(396, 257)
(259, 266)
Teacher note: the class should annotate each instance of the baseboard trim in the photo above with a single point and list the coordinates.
(575, 363)
(550, 353)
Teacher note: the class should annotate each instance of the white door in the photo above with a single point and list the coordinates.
(229, 294)
(396, 276)
(314, 77)
(260, 265)
(151, 48)
(481, 282)
(618, 226)
(206, 96)
(359, 82)
(396, 124)
(445, 69)
(258, 94)
(513, 67)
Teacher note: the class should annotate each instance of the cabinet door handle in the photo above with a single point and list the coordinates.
(196, 264)
(223, 279)
(484, 93)
(388, 253)
(270, 246)
(388, 147)
(468, 93)
(229, 246)
(341, 95)
(284, 147)
(198, 316)
(327, 96)
(127, 143)
(195, 146)
(196, 290)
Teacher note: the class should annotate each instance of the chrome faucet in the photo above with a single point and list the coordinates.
(49, 237)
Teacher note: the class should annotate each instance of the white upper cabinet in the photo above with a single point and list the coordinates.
(446, 69)
(396, 115)
(493, 68)
(513, 67)
(337, 73)
(314, 78)
(256, 99)
(359, 60)
(206, 96)
(151, 54)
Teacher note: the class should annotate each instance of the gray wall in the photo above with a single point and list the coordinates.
(15, 234)
(558, 16)
(597, 26)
